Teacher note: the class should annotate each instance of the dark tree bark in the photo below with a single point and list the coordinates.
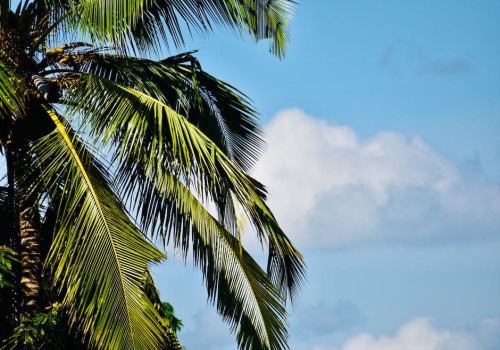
(30, 254)
(30, 245)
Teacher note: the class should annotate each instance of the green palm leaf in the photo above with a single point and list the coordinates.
(11, 90)
(220, 111)
(98, 257)
(241, 290)
(138, 123)
(173, 140)
(144, 25)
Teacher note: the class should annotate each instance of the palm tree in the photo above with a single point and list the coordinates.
(106, 150)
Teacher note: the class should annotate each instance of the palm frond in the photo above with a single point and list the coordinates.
(241, 290)
(145, 25)
(220, 111)
(264, 19)
(143, 127)
(99, 259)
(257, 18)
(11, 89)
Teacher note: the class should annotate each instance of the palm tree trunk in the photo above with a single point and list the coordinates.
(30, 247)
(30, 258)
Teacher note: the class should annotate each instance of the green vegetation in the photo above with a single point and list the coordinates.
(175, 323)
(7, 259)
(106, 150)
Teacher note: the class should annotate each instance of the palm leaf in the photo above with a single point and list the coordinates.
(98, 258)
(241, 290)
(220, 111)
(142, 126)
(146, 25)
(11, 89)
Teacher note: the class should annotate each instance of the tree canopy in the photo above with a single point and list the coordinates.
(109, 148)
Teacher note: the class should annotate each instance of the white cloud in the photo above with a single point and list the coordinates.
(421, 334)
(329, 188)
(417, 334)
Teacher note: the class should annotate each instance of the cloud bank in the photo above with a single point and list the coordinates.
(420, 334)
(329, 188)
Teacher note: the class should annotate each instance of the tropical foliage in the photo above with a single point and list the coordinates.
(7, 259)
(175, 322)
(107, 148)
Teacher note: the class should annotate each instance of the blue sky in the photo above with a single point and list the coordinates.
(383, 165)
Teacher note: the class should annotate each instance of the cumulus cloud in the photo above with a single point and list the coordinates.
(328, 187)
(421, 334)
